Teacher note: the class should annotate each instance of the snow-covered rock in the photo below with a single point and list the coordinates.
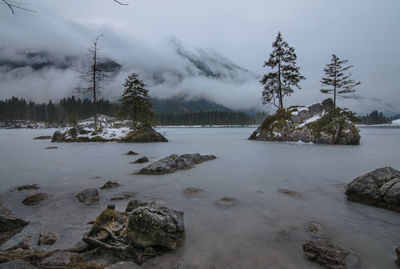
(318, 123)
(109, 130)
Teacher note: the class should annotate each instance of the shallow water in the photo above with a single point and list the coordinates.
(264, 229)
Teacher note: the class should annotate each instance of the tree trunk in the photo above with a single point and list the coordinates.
(94, 87)
(334, 87)
(280, 86)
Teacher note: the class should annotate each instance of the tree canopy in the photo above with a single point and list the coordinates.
(338, 80)
(135, 102)
(285, 74)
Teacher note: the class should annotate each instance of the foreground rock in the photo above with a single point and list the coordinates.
(380, 187)
(326, 253)
(9, 226)
(145, 230)
(111, 130)
(174, 162)
(88, 196)
(318, 124)
(123, 265)
(35, 199)
(398, 255)
(47, 238)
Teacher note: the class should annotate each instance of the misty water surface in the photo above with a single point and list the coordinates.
(265, 229)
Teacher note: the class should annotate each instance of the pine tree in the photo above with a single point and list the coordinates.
(285, 73)
(135, 102)
(337, 79)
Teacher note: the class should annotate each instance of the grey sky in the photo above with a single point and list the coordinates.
(365, 32)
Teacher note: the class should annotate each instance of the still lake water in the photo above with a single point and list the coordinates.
(265, 229)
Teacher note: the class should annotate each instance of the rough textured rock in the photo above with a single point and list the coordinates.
(27, 187)
(174, 162)
(25, 243)
(47, 238)
(88, 196)
(143, 159)
(318, 124)
(60, 258)
(9, 226)
(123, 196)
(326, 253)
(380, 187)
(226, 202)
(123, 265)
(35, 199)
(145, 230)
(44, 137)
(109, 185)
(16, 265)
(156, 226)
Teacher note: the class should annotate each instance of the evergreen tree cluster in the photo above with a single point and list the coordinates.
(210, 118)
(374, 117)
(67, 110)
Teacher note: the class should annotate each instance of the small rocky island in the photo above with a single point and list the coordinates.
(318, 123)
(111, 130)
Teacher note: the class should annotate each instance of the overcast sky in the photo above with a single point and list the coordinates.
(366, 32)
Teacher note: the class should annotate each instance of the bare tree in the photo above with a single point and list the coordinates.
(93, 76)
(13, 5)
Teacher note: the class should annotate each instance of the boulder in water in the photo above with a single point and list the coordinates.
(380, 187)
(88, 196)
(174, 162)
(35, 199)
(9, 226)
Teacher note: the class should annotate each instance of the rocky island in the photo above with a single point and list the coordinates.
(111, 130)
(318, 123)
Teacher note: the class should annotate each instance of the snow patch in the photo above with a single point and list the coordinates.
(312, 119)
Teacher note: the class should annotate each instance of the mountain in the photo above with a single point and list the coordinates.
(179, 104)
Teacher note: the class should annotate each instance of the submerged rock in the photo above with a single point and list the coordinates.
(35, 199)
(226, 202)
(123, 196)
(380, 187)
(174, 162)
(51, 147)
(47, 238)
(326, 254)
(131, 153)
(289, 192)
(193, 192)
(318, 124)
(27, 187)
(44, 137)
(88, 196)
(59, 258)
(143, 159)
(9, 226)
(109, 185)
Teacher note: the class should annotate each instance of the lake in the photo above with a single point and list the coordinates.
(264, 229)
